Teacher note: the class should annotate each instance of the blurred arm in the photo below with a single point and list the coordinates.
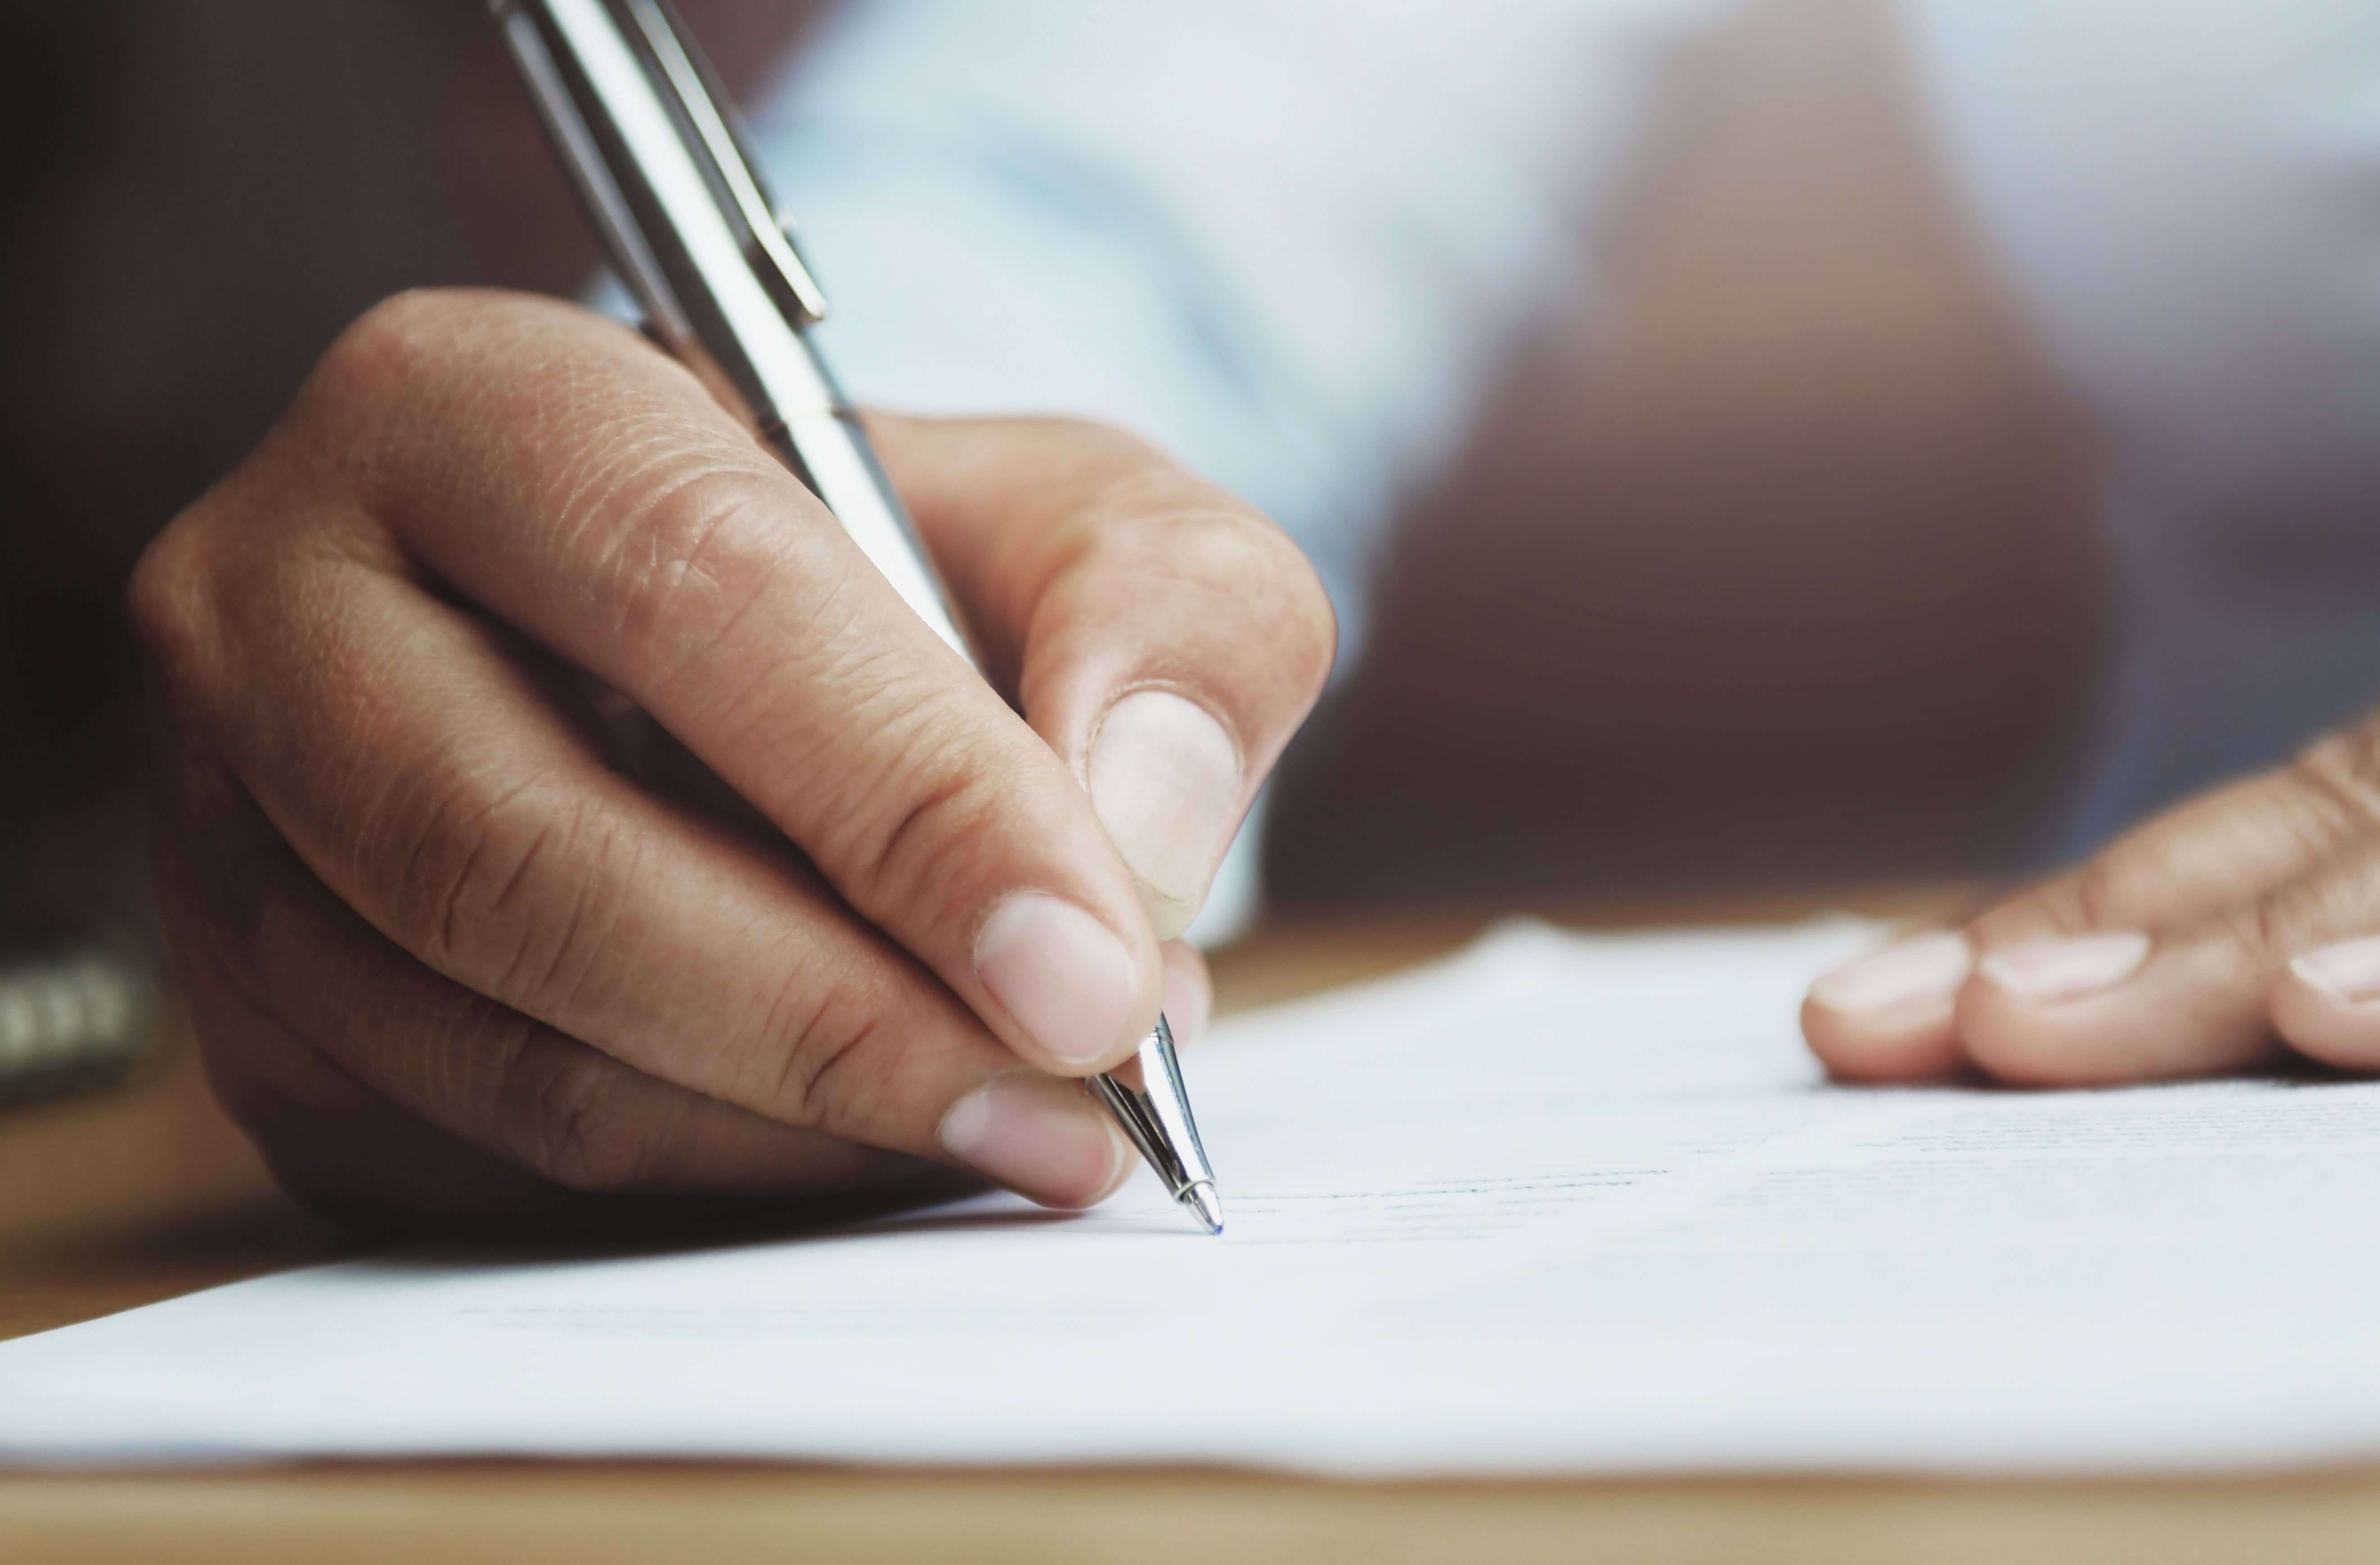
(1287, 240)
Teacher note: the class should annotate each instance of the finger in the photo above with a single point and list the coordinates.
(1891, 1015)
(2327, 1003)
(416, 771)
(1162, 636)
(330, 1140)
(558, 472)
(2133, 1005)
(293, 959)
(1903, 1012)
(357, 1156)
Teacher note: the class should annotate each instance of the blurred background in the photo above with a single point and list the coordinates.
(1840, 598)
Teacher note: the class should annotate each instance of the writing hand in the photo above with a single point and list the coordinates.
(449, 961)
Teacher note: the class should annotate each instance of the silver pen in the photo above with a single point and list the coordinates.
(645, 132)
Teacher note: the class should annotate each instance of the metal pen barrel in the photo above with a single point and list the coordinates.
(640, 125)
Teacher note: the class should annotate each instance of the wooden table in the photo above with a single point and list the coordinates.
(149, 1192)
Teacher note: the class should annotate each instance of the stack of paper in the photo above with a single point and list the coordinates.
(1555, 1205)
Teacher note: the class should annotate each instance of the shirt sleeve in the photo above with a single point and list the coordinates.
(1286, 239)
(2184, 196)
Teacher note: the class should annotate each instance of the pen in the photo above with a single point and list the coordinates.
(639, 121)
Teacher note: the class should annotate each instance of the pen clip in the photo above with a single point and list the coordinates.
(690, 85)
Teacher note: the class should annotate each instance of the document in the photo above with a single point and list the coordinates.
(1558, 1204)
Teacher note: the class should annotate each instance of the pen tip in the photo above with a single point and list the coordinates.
(1200, 1200)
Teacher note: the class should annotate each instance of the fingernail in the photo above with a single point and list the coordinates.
(2349, 971)
(1038, 1135)
(1929, 967)
(2067, 969)
(1068, 981)
(1165, 780)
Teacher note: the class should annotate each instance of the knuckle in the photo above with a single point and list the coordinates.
(2343, 769)
(699, 542)
(384, 346)
(1239, 557)
(924, 826)
(555, 1116)
(2275, 925)
(502, 886)
(2094, 899)
(389, 353)
(2269, 924)
(818, 1041)
(1309, 623)
(2089, 896)
(165, 598)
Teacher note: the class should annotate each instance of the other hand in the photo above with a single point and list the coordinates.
(2239, 923)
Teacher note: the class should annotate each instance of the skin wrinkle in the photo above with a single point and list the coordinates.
(910, 728)
(910, 855)
(1053, 561)
(511, 1035)
(1204, 553)
(585, 493)
(436, 831)
(505, 1044)
(602, 950)
(649, 561)
(803, 1073)
(655, 603)
(459, 1010)
(560, 1147)
(858, 667)
(2333, 900)
(449, 939)
(647, 1165)
(2269, 924)
(492, 804)
(2319, 823)
(802, 988)
(2345, 770)
(1046, 527)
(1094, 530)
(369, 786)
(538, 994)
(2073, 904)
(794, 1010)
(257, 997)
(762, 572)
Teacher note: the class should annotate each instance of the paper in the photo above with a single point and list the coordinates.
(1557, 1204)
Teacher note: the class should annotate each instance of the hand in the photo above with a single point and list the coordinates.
(2240, 922)
(449, 964)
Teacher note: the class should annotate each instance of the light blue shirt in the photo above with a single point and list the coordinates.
(1290, 239)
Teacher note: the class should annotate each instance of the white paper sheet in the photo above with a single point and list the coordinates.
(1556, 1205)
